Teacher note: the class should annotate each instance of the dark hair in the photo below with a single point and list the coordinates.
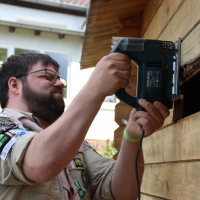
(17, 65)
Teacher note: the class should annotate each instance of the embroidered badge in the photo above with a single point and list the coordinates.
(81, 191)
(15, 131)
(22, 133)
(78, 162)
(7, 148)
(4, 115)
(84, 179)
(6, 124)
(4, 139)
(79, 154)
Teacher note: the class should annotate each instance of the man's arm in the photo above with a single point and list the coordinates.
(53, 148)
(124, 184)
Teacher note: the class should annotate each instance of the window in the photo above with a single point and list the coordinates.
(19, 51)
(111, 99)
(3, 55)
(62, 60)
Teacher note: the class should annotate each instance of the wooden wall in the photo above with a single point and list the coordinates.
(172, 154)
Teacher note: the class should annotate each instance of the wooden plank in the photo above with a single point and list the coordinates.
(175, 143)
(129, 32)
(110, 3)
(129, 12)
(132, 22)
(104, 27)
(176, 112)
(122, 110)
(190, 47)
(172, 180)
(148, 14)
(134, 71)
(187, 16)
(162, 18)
(118, 135)
(105, 8)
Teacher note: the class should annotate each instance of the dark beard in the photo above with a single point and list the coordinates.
(43, 106)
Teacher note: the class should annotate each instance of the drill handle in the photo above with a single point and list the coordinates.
(121, 94)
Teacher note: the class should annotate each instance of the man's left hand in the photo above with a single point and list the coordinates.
(150, 121)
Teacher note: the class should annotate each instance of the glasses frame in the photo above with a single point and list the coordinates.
(57, 77)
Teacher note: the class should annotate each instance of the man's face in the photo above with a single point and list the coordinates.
(43, 98)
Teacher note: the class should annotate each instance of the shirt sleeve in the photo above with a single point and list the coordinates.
(11, 167)
(100, 170)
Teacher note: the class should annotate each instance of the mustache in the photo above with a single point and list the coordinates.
(57, 89)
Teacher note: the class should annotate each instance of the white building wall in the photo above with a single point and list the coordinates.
(103, 126)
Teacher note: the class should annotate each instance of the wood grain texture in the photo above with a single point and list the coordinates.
(162, 19)
(148, 14)
(178, 142)
(129, 32)
(122, 111)
(185, 18)
(172, 180)
(118, 135)
(190, 48)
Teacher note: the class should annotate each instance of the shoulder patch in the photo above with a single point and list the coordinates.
(7, 148)
(77, 162)
(6, 124)
(4, 139)
(86, 143)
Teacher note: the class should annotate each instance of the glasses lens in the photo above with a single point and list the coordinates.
(64, 82)
(52, 76)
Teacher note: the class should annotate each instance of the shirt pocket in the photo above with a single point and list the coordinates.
(47, 190)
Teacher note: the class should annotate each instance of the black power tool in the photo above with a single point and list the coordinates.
(158, 70)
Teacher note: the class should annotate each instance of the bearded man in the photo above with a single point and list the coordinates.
(43, 152)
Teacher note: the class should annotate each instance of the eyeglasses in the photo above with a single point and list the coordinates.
(50, 75)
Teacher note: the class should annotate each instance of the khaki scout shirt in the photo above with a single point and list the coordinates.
(88, 173)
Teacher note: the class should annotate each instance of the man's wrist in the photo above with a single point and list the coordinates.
(130, 139)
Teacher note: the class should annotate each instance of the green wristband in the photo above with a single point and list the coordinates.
(130, 139)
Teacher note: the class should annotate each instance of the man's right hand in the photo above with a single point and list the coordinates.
(108, 75)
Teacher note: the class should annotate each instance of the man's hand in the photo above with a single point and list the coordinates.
(150, 121)
(124, 178)
(108, 76)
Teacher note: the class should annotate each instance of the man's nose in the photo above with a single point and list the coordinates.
(59, 83)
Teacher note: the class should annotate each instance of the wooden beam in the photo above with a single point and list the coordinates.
(149, 13)
(179, 142)
(190, 47)
(118, 135)
(129, 32)
(131, 22)
(172, 180)
(117, 7)
(122, 111)
(162, 18)
(110, 3)
(186, 17)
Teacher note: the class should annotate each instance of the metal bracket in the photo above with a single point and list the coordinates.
(176, 69)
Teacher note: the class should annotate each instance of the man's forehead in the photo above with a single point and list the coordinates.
(40, 65)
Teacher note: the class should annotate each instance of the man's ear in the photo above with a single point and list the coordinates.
(14, 85)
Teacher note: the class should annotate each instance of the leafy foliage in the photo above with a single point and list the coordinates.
(109, 150)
